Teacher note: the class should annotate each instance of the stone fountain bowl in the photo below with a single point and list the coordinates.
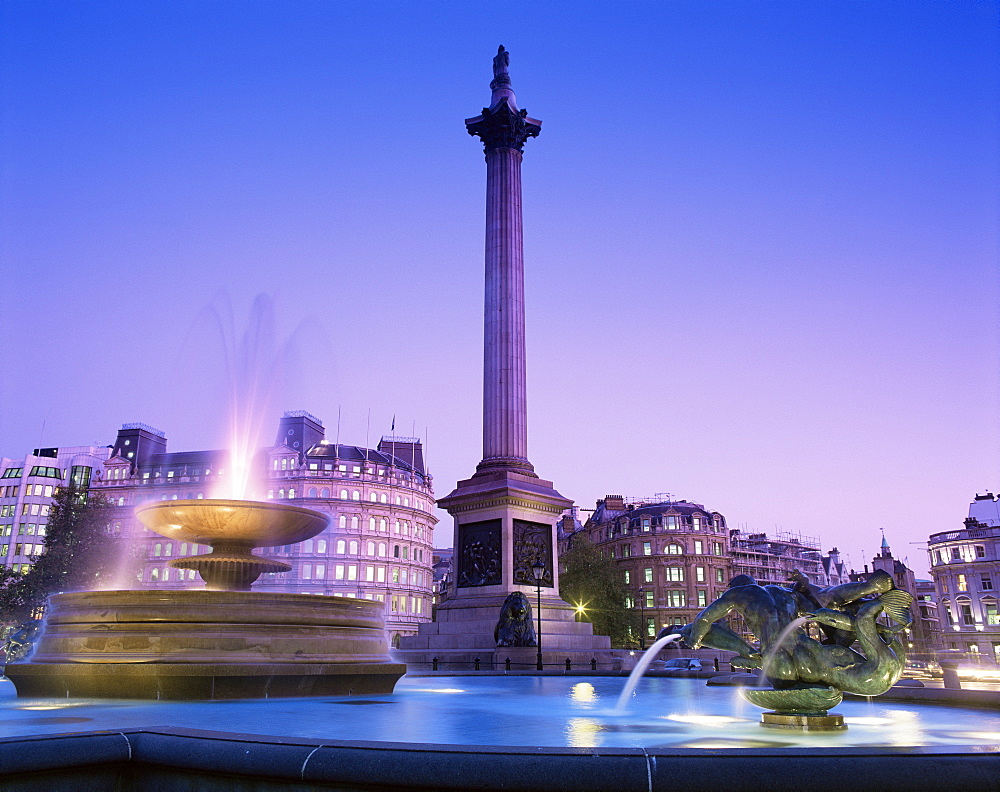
(253, 523)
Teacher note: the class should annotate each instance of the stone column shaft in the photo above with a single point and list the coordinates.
(505, 430)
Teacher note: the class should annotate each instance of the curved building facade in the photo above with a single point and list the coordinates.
(674, 556)
(378, 545)
(966, 573)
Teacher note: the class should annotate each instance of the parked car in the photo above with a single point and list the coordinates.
(682, 666)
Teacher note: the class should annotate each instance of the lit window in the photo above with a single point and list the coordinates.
(962, 586)
(628, 577)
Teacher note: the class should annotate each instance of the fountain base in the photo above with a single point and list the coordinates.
(207, 645)
(803, 722)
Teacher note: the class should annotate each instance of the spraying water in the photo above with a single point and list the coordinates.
(255, 365)
(768, 659)
(640, 669)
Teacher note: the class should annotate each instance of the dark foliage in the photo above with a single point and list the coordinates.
(597, 584)
(80, 554)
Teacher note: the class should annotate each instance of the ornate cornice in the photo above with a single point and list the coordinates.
(507, 500)
(502, 126)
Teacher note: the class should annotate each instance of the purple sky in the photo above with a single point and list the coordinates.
(761, 238)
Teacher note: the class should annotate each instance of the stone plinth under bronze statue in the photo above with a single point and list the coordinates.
(217, 643)
(808, 673)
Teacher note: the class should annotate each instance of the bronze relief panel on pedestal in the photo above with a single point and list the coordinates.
(532, 542)
(479, 554)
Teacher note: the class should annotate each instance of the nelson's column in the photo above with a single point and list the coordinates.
(505, 515)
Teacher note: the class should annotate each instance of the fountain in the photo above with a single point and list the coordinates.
(809, 676)
(224, 642)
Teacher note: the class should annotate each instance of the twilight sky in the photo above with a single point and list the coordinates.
(761, 239)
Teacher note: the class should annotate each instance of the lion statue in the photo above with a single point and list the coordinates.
(515, 627)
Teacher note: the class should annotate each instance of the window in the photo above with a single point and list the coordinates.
(699, 574)
(647, 575)
(696, 523)
(343, 494)
(369, 573)
(674, 549)
(671, 523)
(373, 496)
(312, 492)
(338, 571)
(697, 547)
(307, 571)
(381, 549)
(962, 585)
(720, 576)
(626, 551)
(342, 521)
(649, 599)
(341, 547)
(717, 548)
(992, 617)
(955, 554)
(628, 575)
(966, 611)
(395, 551)
(352, 547)
(320, 572)
(352, 571)
(647, 548)
(675, 599)
(702, 599)
(395, 574)
(987, 583)
(354, 522)
(381, 574)
(980, 551)
(371, 548)
(321, 546)
(675, 574)
(645, 524)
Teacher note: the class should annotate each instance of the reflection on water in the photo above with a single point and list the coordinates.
(583, 693)
(583, 733)
(549, 711)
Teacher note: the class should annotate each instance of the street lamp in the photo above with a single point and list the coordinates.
(642, 619)
(538, 570)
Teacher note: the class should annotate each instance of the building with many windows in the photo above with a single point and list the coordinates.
(965, 566)
(26, 489)
(674, 555)
(377, 546)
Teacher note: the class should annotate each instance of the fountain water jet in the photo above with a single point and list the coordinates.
(640, 668)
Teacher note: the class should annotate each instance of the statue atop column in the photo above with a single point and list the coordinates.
(501, 77)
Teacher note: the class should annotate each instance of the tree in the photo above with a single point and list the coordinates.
(80, 554)
(597, 585)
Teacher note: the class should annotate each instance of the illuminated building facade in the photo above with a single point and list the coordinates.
(377, 546)
(965, 566)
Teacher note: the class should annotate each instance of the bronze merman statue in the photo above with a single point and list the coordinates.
(809, 674)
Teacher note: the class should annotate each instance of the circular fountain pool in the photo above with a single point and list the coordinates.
(559, 712)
